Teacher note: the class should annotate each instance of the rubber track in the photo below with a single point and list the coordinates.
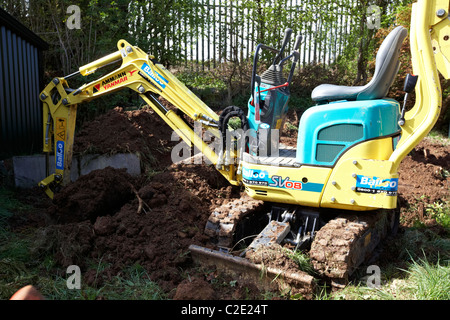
(222, 223)
(345, 242)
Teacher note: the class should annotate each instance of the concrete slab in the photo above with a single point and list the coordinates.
(30, 170)
(129, 161)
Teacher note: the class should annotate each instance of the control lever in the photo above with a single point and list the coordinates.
(287, 37)
(408, 87)
(296, 55)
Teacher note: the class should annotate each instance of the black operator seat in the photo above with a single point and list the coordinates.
(386, 68)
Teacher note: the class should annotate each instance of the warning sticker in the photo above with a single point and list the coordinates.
(61, 125)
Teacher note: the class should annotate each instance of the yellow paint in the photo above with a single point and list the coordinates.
(367, 239)
(368, 159)
(61, 127)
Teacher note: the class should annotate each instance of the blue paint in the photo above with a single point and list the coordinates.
(60, 155)
(146, 68)
(376, 118)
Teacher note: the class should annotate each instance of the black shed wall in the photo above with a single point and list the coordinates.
(20, 83)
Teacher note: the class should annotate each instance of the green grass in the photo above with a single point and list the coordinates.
(133, 284)
(440, 211)
(13, 248)
(18, 269)
(427, 281)
(201, 81)
(422, 280)
(12, 245)
(302, 260)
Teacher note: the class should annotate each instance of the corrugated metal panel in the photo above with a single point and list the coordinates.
(20, 74)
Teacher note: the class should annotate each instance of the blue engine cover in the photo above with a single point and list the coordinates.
(327, 131)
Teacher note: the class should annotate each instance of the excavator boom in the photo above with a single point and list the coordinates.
(139, 72)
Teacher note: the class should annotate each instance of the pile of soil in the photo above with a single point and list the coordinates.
(95, 194)
(175, 205)
(109, 217)
(118, 131)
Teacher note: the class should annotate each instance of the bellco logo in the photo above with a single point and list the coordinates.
(273, 181)
(60, 155)
(150, 73)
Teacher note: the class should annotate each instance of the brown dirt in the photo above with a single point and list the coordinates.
(118, 131)
(272, 256)
(109, 217)
(288, 135)
(96, 194)
(424, 179)
(177, 203)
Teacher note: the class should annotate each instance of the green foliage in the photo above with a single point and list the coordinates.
(441, 212)
(335, 38)
(302, 260)
(428, 281)
(201, 80)
(271, 19)
(162, 26)
(210, 89)
(422, 280)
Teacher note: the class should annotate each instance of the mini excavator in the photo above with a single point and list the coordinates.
(336, 193)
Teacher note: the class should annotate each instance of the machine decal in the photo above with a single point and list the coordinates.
(150, 73)
(279, 182)
(114, 80)
(60, 155)
(255, 177)
(262, 178)
(376, 185)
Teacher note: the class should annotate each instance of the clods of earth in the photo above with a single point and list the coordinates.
(151, 220)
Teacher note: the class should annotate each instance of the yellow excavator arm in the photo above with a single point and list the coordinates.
(138, 72)
(430, 54)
